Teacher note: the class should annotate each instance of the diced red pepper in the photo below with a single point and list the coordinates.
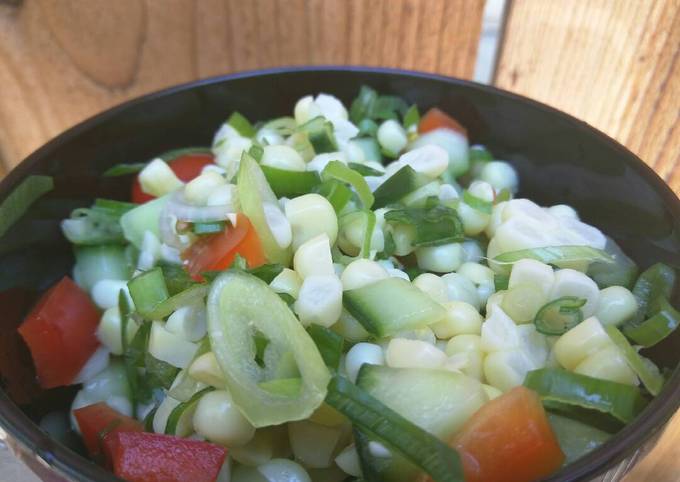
(185, 167)
(98, 421)
(216, 252)
(436, 119)
(150, 457)
(60, 333)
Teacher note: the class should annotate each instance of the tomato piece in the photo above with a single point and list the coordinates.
(216, 252)
(436, 119)
(60, 333)
(98, 421)
(509, 440)
(150, 457)
(185, 167)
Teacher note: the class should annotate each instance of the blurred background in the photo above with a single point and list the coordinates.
(612, 63)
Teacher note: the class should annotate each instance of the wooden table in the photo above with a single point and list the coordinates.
(612, 63)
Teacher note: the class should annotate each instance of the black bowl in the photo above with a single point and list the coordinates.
(560, 160)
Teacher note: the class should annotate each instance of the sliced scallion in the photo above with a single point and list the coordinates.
(645, 369)
(367, 127)
(411, 117)
(329, 343)
(319, 131)
(364, 170)
(559, 316)
(398, 185)
(124, 169)
(477, 203)
(623, 402)
(655, 328)
(241, 124)
(368, 414)
(435, 225)
(256, 151)
(181, 409)
(337, 193)
(553, 255)
(148, 290)
(501, 282)
(21, 198)
(290, 183)
(655, 282)
(337, 170)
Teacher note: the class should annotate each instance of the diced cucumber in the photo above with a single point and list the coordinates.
(95, 263)
(438, 401)
(392, 305)
(576, 438)
(144, 217)
(398, 185)
(370, 148)
(320, 134)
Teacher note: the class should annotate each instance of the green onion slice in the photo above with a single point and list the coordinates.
(181, 409)
(398, 185)
(212, 227)
(168, 156)
(559, 316)
(501, 282)
(477, 203)
(241, 124)
(337, 170)
(329, 343)
(656, 281)
(21, 198)
(657, 327)
(411, 117)
(553, 255)
(435, 225)
(554, 385)
(644, 368)
(364, 170)
(337, 193)
(370, 415)
(290, 183)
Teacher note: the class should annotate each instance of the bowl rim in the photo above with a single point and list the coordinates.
(28, 440)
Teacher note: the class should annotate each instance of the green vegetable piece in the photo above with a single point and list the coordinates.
(392, 305)
(552, 255)
(502, 196)
(158, 374)
(656, 281)
(241, 306)
(283, 126)
(434, 225)
(337, 170)
(95, 263)
(124, 169)
(644, 368)
(91, 227)
(284, 387)
(329, 343)
(176, 278)
(253, 192)
(148, 290)
(623, 272)
(337, 193)
(411, 117)
(256, 151)
(241, 124)
(479, 154)
(182, 408)
(370, 147)
(173, 154)
(208, 227)
(141, 219)
(290, 183)
(559, 316)
(426, 451)
(364, 170)
(623, 402)
(168, 156)
(501, 282)
(362, 106)
(186, 386)
(576, 439)
(319, 131)
(21, 198)
(388, 107)
(398, 185)
(477, 203)
(657, 327)
(113, 207)
(190, 295)
(266, 272)
(367, 127)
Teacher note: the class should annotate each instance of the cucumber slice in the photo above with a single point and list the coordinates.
(392, 305)
(253, 192)
(438, 401)
(320, 134)
(398, 185)
(240, 307)
(143, 218)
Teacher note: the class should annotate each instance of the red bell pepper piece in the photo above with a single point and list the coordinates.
(150, 457)
(60, 333)
(98, 421)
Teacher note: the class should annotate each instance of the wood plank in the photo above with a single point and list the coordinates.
(64, 60)
(613, 63)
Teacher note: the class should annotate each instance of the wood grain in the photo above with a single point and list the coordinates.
(612, 63)
(64, 60)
